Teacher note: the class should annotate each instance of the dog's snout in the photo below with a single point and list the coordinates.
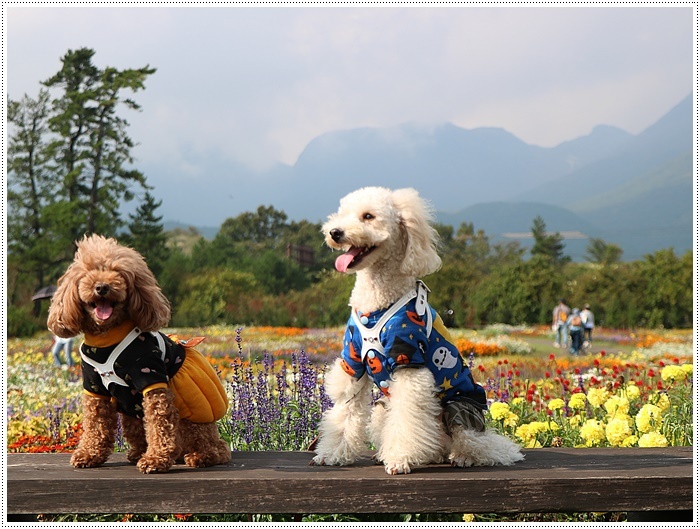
(102, 289)
(337, 234)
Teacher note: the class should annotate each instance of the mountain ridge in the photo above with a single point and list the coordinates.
(597, 177)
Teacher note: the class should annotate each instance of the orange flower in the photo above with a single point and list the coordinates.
(466, 347)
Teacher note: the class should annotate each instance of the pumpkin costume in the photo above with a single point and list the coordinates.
(125, 363)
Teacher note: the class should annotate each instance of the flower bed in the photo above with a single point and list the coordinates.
(274, 380)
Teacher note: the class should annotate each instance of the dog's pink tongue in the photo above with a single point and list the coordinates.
(343, 262)
(103, 310)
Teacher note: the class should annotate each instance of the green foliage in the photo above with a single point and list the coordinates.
(598, 251)
(213, 297)
(146, 234)
(21, 322)
(550, 246)
(91, 147)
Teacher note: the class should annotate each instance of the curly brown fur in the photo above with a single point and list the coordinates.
(135, 436)
(106, 285)
(202, 446)
(99, 427)
(160, 422)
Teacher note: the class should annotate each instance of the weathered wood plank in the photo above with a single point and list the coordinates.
(549, 480)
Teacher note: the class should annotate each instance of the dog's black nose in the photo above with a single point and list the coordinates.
(337, 234)
(102, 289)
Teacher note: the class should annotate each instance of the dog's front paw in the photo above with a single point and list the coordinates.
(331, 460)
(397, 467)
(83, 459)
(154, 464)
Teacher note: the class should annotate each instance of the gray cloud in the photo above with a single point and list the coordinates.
(255, 84)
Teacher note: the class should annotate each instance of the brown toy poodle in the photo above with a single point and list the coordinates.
(168, 395)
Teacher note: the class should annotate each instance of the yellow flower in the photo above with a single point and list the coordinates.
(517, 401)
(617, 430)
(511, 420)
(673, 373)
(499, 410)
(468, 517)
(617, 406)
(593, 432)
(575, 421)
(556, 404)
(524, 433)
(577, 401)
(688, 368)
(597, 396)
(652, 439)
(648, 418)
(662, 401)
(632, 391)
(630, 441)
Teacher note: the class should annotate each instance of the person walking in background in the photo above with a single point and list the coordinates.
(560, 315)
(62, 344)
(588, 325)
(575, 325)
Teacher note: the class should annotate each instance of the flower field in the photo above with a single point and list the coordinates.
(628, 390)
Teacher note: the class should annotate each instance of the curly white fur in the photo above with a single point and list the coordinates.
(390, 235)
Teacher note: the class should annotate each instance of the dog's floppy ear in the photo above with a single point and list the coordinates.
(148, 307)
(421, 252)
(65, 312)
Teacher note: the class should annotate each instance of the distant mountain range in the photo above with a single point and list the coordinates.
(632, 190)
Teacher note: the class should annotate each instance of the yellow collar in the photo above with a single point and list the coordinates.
(111, 337)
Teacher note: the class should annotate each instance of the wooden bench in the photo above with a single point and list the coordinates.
(653, 481)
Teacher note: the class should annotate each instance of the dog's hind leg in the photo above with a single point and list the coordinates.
(160, 422)
(343, 428)
(99, 432)
(202, 446)
(135, 436)
(412, 432)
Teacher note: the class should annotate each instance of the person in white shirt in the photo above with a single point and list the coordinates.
(588, 324)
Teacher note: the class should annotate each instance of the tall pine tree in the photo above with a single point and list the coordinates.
(147, 236)
(548, 245)
(33, 221)
(92, 148)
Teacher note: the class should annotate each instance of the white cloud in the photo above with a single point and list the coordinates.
(257, 84)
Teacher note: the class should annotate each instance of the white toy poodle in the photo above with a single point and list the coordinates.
(431, 410)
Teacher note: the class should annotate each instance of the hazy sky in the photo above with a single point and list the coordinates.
(256, 84)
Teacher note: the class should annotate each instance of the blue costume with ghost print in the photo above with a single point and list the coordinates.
(411, 334)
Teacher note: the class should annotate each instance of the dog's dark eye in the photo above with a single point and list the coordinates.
(367, 216)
